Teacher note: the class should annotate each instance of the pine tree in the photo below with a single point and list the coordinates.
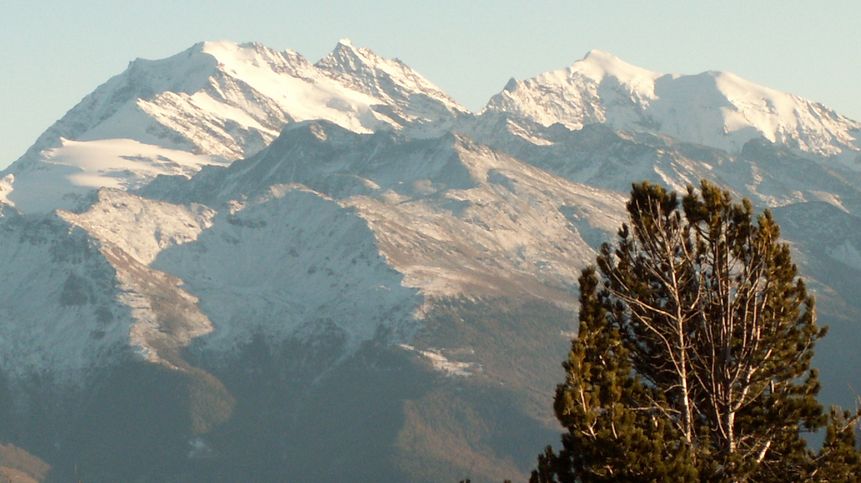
(613, 432)
(839, 458)
(692, 360)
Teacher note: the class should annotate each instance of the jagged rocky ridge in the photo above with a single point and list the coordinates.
(382, 266)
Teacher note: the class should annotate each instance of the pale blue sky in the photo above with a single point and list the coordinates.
(52, 53)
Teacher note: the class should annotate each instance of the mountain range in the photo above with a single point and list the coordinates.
(235, 264)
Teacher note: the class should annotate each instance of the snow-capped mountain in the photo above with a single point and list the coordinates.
(411, 98)
(329, 242)
(333, 271)
(209, 105)
(220, 101)
(717, 109)
(432, 204)
(357, 226)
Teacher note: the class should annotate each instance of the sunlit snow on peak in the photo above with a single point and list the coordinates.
(716, 109)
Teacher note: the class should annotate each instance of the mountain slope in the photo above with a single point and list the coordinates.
(715, 109)
(211, 104)
(423, 195)
(406, 95)
(371, 236)
(382, 288)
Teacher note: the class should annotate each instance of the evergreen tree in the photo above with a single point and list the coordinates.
(692, 360)
(614, 432)
(840, 459)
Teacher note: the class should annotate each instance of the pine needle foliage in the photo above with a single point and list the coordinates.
(693, 356)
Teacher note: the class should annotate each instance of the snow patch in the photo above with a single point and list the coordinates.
(6, 183)
(442, 364)
(68, 173)
(141, 227)
(830, 198)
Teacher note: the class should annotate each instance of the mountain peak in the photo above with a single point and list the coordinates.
(220, 100)
(253, 54)
(510, 85)
(597, 64)
(206, 45)
(345, 48)
(350, 57)
(389, 80)
(599, 55)
(717, 109)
